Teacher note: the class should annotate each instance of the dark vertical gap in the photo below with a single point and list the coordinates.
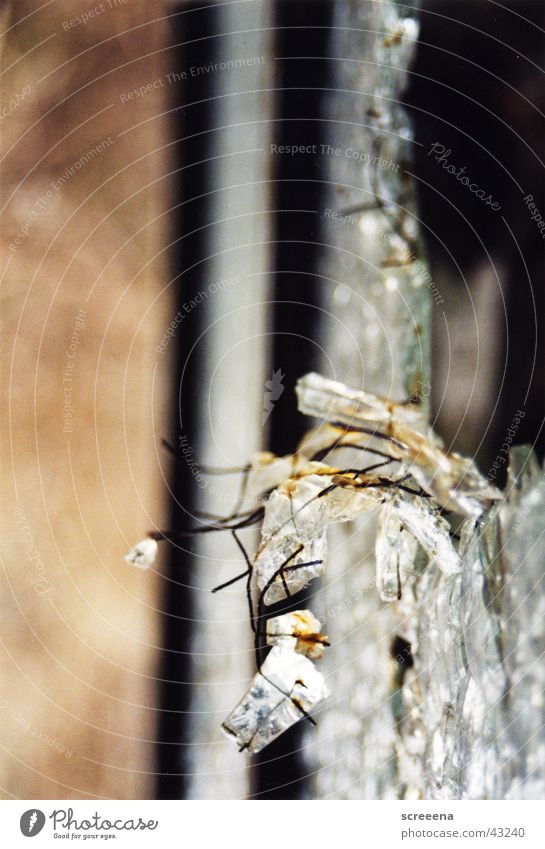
(190, 213)
(280, 772)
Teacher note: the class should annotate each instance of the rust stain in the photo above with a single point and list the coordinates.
(395, 39)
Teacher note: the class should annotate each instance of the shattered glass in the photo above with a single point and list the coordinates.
(395, 551)
(457, 711)
(454, 481)
(297, 514)
(143, 554)
(299, 510)
(476, 694)
(300, 630)
(285, 689)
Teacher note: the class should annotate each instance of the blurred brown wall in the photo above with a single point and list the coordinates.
(79, 626)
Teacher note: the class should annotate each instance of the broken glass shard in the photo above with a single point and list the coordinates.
(395, 550)
(294, 530)
(430, 529)
(143, 554)
(286, 688)
(298, 630)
